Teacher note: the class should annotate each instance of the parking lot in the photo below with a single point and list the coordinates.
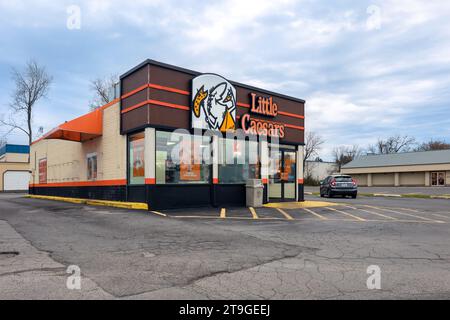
(326, 212)
(282, 252)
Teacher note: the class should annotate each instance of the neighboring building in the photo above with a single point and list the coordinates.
(319, 170)
(124, 150)
(14, 167)
(426, 168)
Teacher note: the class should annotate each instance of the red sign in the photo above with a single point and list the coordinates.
(264, 106)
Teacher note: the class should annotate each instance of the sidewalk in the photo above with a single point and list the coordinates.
(414, 192)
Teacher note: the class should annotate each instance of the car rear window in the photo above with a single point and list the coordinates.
(343, 179)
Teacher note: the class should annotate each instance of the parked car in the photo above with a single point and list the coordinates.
(342, 185)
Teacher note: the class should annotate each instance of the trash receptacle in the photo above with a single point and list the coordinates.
(254, 193)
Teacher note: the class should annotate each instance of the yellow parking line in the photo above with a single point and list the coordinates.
(254, 215)
(159, 213)
(285, 214)
(371, 212)
(223, 213)
(347, 214)
(402, 213)
(315, 214)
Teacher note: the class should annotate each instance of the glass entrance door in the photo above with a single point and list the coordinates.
(438, 179)
(282, 175)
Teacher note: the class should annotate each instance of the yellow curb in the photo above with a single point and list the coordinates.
(253, 211)
(116, 204)
(298, 205)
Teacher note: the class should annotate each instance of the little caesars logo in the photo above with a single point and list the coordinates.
(213, 103)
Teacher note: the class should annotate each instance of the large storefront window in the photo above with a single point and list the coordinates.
(136, 154)
(180, 158)
(238, 161)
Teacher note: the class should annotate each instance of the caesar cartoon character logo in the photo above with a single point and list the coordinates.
(213, 103)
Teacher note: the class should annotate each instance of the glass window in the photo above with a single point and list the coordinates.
(136, 161)
(182, 158)
(238, 160)
(43, 171)
(92, 166)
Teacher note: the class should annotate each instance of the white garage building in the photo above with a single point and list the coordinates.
(427, 168)
(14, 167)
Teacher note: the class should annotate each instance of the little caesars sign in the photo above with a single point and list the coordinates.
(214, 103)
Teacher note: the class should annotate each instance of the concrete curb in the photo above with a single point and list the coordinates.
(116, 204)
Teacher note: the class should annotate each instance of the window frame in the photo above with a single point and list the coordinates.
(184, 183)
(89, 156)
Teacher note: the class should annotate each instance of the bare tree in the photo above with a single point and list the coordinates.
(393, 144)
(313, 143)
(101, 88)
(433, 145)
(31, 85)
(344, 154)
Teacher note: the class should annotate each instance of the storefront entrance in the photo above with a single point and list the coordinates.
(282, 176)
(438, 179)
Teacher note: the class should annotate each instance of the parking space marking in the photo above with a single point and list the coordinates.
(315, 214)
(223, 213)
(374, 213)
(407, 209)
(285, 214)
(159, 213)
(403, 213)
(346, 213)
(440, 215)
(254, 215)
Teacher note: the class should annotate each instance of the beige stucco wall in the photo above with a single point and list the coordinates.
(416, 168)
(383, 179)
(361, 179)
(67, 160)
(14, 157)
(6, 166)
(412, 179)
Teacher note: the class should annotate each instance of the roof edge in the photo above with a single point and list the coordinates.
(196, 73)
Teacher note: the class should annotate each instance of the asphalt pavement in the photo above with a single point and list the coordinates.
(303, 253)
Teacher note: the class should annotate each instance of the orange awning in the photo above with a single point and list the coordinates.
(84, 128)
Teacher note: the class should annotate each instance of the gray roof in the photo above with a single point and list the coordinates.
(400, 159)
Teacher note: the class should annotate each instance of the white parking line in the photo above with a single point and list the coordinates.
(346, 213)
(374, 213)
(403, 213)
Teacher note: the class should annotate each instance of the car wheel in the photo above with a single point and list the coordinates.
(329, 194)
(322, 195)
(354, 196)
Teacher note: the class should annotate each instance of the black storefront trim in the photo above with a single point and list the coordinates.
(110, 193)
(174, 196)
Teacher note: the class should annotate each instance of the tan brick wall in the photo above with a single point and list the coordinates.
(5, 166)
(67, 160)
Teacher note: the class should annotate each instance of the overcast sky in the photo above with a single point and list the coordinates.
(366, 69)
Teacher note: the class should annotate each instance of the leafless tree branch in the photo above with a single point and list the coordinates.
(30, 86)
(101, 88)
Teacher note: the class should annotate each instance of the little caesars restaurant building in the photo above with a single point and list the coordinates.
(176, 138)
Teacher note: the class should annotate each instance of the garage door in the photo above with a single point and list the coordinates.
(16, 180)
(383, 179)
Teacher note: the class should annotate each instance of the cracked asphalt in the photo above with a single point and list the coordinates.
(127, 254)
